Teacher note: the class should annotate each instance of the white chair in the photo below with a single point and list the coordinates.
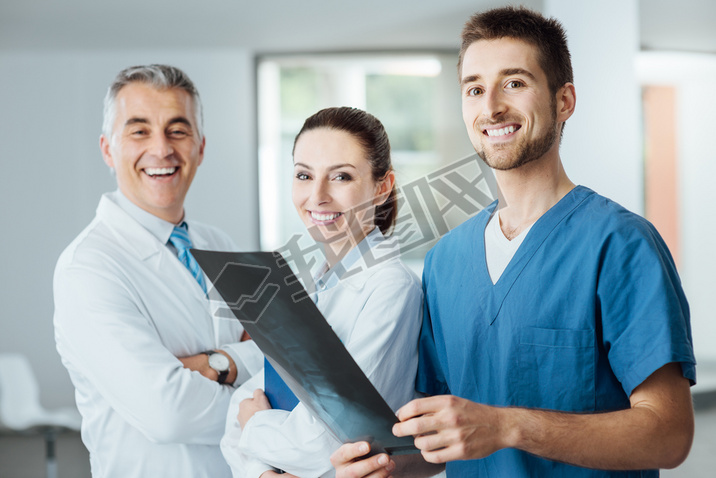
(21, 411)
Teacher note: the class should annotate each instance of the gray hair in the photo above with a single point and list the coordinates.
(157, 76)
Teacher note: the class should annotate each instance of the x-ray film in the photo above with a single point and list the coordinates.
(260, 290)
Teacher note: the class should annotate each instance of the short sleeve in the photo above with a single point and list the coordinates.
(644, 312)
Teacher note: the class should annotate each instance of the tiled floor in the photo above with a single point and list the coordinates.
(23, 457)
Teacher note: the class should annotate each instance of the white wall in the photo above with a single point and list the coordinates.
(698, 214)
(602, 140)
(52, 174)
(691, 75)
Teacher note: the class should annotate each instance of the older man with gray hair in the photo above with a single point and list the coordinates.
(152, 365)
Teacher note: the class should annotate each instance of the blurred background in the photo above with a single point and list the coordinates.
(646, 92)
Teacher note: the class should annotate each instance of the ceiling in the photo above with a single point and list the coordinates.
(286, 25)
(684, 25)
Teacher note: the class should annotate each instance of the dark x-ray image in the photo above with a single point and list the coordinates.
(260, 290)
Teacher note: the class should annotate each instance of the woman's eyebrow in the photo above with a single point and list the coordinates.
(337, 166)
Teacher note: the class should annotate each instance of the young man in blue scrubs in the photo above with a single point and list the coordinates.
(556, 337)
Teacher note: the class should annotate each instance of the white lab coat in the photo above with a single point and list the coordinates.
(125, 308)
(377, 314)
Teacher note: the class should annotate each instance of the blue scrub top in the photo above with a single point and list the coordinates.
(589, 307)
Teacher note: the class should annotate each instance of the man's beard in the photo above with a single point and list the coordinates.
(525, 152)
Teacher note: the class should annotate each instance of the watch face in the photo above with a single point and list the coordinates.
(218, 362)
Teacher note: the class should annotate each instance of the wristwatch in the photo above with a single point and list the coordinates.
(220, 363)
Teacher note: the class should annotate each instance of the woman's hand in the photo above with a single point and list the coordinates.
(248, 407)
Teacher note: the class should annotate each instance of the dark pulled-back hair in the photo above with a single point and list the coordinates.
(371, 135)
(546, 34)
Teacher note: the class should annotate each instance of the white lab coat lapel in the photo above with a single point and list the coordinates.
(349, 296)
(191, 308)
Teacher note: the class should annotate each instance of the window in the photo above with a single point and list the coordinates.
(416, 97)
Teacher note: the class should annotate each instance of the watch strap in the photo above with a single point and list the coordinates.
(222, 373)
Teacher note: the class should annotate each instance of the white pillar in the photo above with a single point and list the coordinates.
(602, 142)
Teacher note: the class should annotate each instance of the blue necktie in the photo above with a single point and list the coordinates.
(180, 240)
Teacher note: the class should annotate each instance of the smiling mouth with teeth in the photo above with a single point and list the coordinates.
(325, 217)
(153, 172)
(501, 131)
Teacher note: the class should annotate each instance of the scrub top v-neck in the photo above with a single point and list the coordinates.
(589, 306)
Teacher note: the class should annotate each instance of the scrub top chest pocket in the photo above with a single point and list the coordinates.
(556, 368)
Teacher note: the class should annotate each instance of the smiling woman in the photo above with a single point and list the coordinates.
(342, 187)
(344, 184)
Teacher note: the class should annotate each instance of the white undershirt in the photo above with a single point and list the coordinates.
(498, 249)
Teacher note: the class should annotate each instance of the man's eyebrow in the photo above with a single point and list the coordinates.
(178, 119)
(135, 120)
(469, 79)
(505, 72)
(518, 71)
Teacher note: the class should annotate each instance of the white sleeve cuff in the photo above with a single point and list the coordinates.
(255, 468)
(248, 359)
